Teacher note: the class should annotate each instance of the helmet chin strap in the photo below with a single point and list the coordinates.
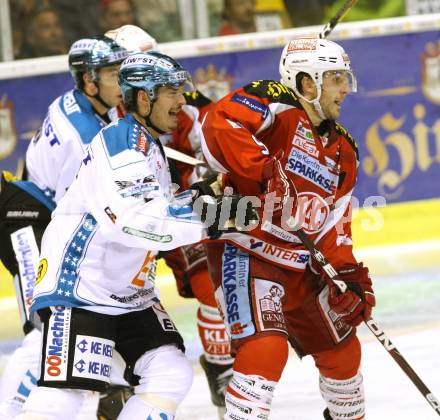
(317, 105)
(315, 102)
(95, 79)
(98, 97)
(150, 123)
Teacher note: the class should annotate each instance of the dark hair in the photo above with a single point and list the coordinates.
(298, 80)
(79, 81)
(132, 105)
(29, 20)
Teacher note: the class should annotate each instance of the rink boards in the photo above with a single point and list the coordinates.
(394, 117)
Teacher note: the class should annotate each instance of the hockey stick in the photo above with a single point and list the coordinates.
(182, 157)
(371, 323)
(335, 19)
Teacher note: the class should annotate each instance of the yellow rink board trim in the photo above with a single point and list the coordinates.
(396, 224)
(376, 231)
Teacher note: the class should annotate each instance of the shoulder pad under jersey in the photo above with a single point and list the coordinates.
(196, 99)
(274, 91)
(79, 112)
(116, 137)
(344, 133)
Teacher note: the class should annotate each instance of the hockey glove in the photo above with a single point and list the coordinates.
(356, 303)
(220, 214)
(212, 185)
(278, 186)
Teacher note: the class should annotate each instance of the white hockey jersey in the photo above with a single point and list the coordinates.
(98, 251)
(54, 154)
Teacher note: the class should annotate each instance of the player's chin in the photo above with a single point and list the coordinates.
(172, 121)
(335, 112)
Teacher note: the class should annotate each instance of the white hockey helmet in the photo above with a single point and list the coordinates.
(133, 38)
(315, 57)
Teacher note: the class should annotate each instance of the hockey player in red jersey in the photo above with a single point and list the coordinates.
(279, 142)
(189, 262)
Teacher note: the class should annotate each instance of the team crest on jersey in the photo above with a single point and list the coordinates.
(270, 311)
(431, 72)
(137, 187)
(8, 133)
(311, 214)
(212, 82)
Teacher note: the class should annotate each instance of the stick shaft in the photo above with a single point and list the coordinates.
(328, 28)
(372, 325)
(182, 157)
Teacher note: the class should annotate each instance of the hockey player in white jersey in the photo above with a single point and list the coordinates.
(73, 119)
(95, 286)
(53, 158)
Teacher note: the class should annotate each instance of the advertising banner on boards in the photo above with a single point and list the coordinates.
(394, 117)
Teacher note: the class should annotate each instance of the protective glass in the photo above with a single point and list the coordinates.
(187, 84)
(179, 79)
(341, 79)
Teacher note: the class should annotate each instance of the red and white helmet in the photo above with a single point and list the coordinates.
(133, 38)
(314, 57)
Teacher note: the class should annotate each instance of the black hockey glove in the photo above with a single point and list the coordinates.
(225, 213)
(212, 185)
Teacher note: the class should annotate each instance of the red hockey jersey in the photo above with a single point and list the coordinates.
(244, 130)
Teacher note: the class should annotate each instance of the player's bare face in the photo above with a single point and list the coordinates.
(108, 85)
(336, 85)
(168, 104)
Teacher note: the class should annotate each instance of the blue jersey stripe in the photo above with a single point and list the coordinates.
(68, 274)
(83, 118)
